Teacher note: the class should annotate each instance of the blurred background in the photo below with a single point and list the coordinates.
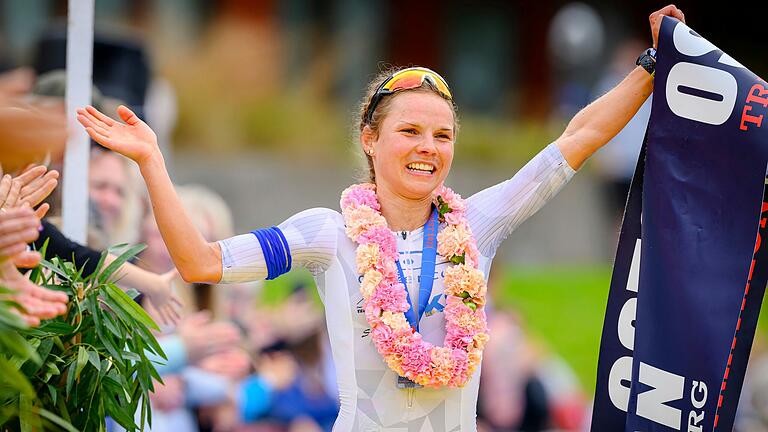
(254, 105)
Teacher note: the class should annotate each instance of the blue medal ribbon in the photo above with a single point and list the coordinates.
(427, 278)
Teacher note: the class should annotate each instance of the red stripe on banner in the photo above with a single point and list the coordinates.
(758, 244)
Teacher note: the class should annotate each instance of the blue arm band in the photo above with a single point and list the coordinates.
(277, 253)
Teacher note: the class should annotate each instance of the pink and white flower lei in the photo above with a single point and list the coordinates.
(403, 349)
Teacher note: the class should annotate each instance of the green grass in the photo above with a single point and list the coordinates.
(563, 308)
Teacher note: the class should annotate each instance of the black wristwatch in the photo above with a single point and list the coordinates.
(648, 61)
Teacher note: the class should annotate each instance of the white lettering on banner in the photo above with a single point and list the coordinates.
(701, 388)
(702, 79)
(627, 324)
(720, 84)
(691, 44)
(621, 372)
(666, 387)
(695, 419)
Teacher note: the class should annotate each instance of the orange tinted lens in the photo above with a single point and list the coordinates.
(414, 78)
(406, 80)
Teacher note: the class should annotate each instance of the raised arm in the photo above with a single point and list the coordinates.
(601, 120)
(196, 259)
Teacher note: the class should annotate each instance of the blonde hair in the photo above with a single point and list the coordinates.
(382, 110)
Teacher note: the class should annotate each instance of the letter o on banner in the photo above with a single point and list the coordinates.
(701, 79)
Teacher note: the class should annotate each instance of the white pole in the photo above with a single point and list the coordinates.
(79, 81)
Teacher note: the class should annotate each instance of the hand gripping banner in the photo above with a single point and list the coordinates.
(690, 269)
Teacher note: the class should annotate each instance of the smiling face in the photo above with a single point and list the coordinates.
(413, 150)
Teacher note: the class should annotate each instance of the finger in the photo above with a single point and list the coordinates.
(128, 116)
(13, 215)
(199, 318)
(35, 196)
(99, 116)
(12, 250)
(667, 10)
(31, 174)
(5, 187)
(101, 139)
(13, 194)
(150, 308)
(42, 210)
(175, 310)
(87, 122)
(17, 225)
(47, 294)
(10, 243)
(27, 259)
(161, 318)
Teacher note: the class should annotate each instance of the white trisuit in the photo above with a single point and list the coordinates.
(369, 397)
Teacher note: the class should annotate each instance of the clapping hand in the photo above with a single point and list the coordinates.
(18, 226)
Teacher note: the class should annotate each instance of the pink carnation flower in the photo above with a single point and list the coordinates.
(360, 195)
(453, 240)
(454, 200)
(390, 297)
(416, 360)
(383, 237)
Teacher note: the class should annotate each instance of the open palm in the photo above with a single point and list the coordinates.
(133, 138)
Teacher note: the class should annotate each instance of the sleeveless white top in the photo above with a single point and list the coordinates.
(369, 397)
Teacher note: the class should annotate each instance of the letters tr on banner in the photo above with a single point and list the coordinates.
(690, 274)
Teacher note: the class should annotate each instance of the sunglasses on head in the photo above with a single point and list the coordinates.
(407, 79)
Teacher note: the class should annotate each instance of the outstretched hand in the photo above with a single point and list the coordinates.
(163, 301)
(132, 137)
(36, 302)
(657, 17)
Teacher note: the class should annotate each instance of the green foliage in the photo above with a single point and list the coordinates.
(72, 372)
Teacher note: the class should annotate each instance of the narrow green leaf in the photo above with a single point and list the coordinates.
(130, 356)
(130, 306)
(70, 376)
(53, 418)
(82, 360)
(54, 268)
(93, 358)
(56, 327)
(28, 421)
(10, 376)
(116, 412)
(53, 392)
(119, 261)
(103, 338)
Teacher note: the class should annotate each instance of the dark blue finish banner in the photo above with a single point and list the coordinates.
(691, 269)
